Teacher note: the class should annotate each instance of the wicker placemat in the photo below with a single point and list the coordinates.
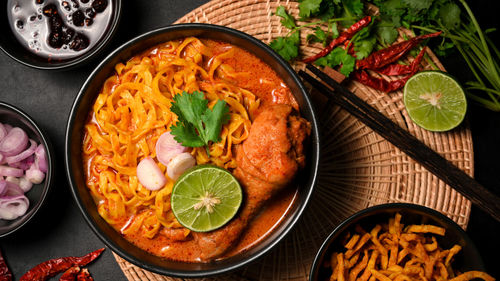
(358, 167)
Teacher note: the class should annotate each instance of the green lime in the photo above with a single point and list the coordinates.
(435, 101)
(205, 198)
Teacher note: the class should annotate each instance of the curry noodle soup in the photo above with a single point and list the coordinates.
(262, 145)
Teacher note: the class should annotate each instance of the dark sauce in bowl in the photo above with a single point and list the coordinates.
(59, 29)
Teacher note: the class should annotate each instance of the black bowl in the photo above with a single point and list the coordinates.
(16, 118)
(14, 49)
(74, 163)
(467, 259)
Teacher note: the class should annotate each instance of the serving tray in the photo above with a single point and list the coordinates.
(358, 168)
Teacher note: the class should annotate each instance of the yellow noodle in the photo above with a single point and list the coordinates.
(133, 109)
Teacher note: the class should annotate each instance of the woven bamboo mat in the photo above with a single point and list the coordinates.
(358, 168)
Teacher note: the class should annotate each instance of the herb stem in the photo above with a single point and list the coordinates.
(481, 35)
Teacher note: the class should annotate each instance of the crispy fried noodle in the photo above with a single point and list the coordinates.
(133, 110)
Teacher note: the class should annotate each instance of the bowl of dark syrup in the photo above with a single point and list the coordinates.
(57, 34)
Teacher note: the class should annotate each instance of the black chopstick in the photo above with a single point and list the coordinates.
(431, 160)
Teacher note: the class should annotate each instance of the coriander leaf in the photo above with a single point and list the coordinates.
(318, 36)
(444, 49)
(355, 6)
(386, 33)
(348, 63)
(309, 7)
(334, 29)
(364, 47)
(418, 4)
(338, 57)
(197, 125)
(450, 15)
(185, 134)
(286, 19)
(189, 107)
(214, 119)
(287, 47)
(328, 10)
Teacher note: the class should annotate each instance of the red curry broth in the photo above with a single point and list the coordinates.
(266, 85)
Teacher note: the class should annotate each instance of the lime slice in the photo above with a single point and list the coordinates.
(205, 198)
(435, 101)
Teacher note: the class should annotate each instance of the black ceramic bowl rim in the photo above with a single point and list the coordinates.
(344, 225)
(49, 176)
(87, 56)
(314, 154)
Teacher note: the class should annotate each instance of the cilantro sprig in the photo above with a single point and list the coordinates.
(198, 125)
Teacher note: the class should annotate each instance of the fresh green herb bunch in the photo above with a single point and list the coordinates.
(461, 33)
(330, 14)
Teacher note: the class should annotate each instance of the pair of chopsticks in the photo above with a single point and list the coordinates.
(432, 161)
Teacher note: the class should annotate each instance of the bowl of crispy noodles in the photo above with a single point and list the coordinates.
(398, 241)
(135, 85)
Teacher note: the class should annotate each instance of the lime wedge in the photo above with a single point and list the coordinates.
(435, 101)
(205, 198)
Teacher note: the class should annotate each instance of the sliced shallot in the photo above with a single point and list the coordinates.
(23, 155)
(179, 164)
(7, 171)
(3, 187)
(14, 142)
(150, 175)
(167, 147)
(11, 189)
(12, 207)
(41, 158)
(12, 180)
(25, 184)
(34, 175)
(3, 131)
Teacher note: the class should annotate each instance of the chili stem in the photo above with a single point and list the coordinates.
(444, 34)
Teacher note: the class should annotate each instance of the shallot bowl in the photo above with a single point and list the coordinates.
(38, 192)
(305, 179)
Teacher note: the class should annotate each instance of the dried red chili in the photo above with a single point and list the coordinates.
(5, 274)
(348, 34)
(398, 69)
(51, 267)
(389, 86)
(84, 275)
(378, 83)
(70, 274)
(381, 58)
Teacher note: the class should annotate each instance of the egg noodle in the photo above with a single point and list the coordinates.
(133, 110)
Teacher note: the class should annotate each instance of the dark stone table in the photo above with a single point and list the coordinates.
(59, 229)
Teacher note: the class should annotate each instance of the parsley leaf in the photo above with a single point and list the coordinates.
(286, 19)
(197, 124)
(309, 7)
(337, 57)
(287, 47)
